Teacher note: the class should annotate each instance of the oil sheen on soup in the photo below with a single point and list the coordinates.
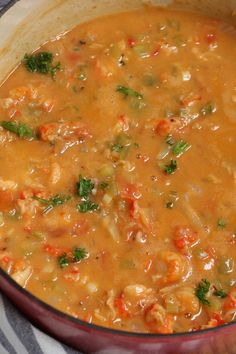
(118, 172)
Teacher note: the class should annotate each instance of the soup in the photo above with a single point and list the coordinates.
(118, 172)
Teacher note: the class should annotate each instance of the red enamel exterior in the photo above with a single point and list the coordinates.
(94, 339)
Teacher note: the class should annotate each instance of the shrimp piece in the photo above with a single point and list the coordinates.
(21, 93)
(182, 301)
(158, 320)
(230, 306)
(137, 298)
(215, 321)
(69, 131)
(173, 266)
(163, 127)
(7, 185)
(28, 207)
(185, 237)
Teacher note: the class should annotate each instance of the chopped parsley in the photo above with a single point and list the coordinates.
(173, 197)
(77, 255)
(170, 140)
(170, 205)
(84, 187)
(104, 185)
(171, 167)
(87, 206)
(42, 63)
(126, 91)
(117, 147)
(220, 293)
(221, 223)
(180, 147)
(22, 130)
(202, 290)
(63, 260)
(208, 108)
(53, 202)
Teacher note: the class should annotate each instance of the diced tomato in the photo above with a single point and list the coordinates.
(131, 42)
(134, 209)
(210, 38)
(73, 57)
(124, 123)
(55, 251)
(127, 190)
(64, 131)
(184, 237)
(119, 303)
(211, 252)
(230, 301)
(163, 127)
(6, 259)
(19, 265)
(6, 200)
(190, 100)
(28, 229)
(215, 320)
(156, 52)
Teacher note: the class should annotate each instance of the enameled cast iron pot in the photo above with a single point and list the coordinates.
(25, 25)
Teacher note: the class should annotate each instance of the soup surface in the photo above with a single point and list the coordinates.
(118, 172)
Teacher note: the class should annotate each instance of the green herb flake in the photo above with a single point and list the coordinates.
(104, 185)
(170, 140)
(221, 223)
(126, 91)
(87, 206)
(220, 293)
(171, 167)
(53, 202)
(41, 63)
(202, 290)
(63, 261)
(22, 130)
(84, 187)
(79, 254)
(208, 108)
(169, 205)
(180, 147)
(117, 147)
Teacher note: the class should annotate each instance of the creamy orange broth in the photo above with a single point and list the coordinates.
(118, 205)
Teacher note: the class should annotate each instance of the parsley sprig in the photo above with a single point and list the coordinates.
(202, 290)
(84, 189)
(23, 131)
(180, 147)
(170, 168)
(41, 63)
(77, 255)
(87, 206)
(53, 202)
(128, 92)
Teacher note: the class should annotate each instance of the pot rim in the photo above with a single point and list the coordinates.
(106, 330)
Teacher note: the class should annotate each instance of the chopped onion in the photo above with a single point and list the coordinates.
(110, 225)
